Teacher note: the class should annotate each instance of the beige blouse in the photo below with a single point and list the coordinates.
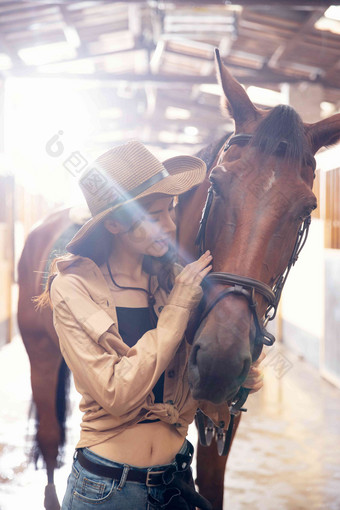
(116, 380)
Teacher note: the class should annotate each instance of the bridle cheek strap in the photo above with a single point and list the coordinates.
(240, 284)
(200, 238)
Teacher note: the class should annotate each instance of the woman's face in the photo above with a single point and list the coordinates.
(149, 228)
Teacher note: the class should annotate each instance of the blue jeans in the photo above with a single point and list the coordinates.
(86, 490)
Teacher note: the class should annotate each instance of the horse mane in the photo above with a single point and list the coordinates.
(282, 124)
(208, 153)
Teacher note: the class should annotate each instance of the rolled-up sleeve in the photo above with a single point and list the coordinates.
(68, 293)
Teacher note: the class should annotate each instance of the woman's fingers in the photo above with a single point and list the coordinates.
(200, 263)
(199, 277)
(255, 376)
(206, 255)
(259, 359)
(197, 270)
(254, 379)
(256, 388)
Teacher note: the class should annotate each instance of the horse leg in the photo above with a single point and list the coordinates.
(45, 359)
(211, 469)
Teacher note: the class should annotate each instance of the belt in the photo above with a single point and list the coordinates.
(149, 478)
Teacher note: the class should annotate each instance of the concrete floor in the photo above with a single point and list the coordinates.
(286, 455)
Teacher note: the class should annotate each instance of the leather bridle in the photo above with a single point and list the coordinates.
(246, 287)
(243, 285)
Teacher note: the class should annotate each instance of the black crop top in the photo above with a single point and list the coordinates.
(132, 324)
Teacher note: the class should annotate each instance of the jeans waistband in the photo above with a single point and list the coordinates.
(185, 449)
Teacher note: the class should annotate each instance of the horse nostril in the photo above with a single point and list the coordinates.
(194, 352)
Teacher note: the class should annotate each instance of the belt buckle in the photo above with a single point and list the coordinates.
(149, 474)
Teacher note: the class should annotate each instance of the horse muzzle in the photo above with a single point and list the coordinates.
(216, 378)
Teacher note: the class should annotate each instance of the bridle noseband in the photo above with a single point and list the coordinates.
(243, 285)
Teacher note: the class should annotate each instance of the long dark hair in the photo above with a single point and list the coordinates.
(99, 244)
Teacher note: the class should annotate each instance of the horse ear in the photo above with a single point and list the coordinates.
(239, 104)
(323, 133)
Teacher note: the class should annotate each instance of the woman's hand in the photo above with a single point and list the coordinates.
(254, 378)
(187, 291)
(193, 273)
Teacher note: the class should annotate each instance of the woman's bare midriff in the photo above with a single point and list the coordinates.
(144, 444)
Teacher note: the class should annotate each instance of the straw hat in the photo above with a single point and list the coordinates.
(128, 172)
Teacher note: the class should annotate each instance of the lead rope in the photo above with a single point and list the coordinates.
(151, 297)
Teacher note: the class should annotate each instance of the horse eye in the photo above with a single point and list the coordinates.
(307, 211)
(214, 184)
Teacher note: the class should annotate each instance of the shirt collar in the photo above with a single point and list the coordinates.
(81, 261)
(64, 263)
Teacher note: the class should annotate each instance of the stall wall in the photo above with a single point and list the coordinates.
(310, 311)
(302, 310)
(6, 256)
(330, 351)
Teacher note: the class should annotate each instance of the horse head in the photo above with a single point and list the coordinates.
(260, 196)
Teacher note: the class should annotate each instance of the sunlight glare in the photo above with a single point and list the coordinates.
(36, 111)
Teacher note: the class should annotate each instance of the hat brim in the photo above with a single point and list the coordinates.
(185, 173)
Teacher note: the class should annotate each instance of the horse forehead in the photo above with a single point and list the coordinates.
(275, 186)
(269, 182)
(253, 163)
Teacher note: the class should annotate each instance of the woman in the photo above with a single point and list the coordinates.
(120, 308)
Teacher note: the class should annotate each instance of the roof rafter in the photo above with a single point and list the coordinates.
(282, 50)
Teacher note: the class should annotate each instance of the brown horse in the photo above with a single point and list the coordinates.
(262, 188)
(256, 221)
(49, 375)
(261, 194)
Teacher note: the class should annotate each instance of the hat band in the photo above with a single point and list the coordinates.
(138, 189)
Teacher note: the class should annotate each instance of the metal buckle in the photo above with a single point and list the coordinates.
(148, 481)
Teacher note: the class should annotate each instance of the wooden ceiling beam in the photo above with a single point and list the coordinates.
(317, 40)
(262, 77)
(259, 34)
(70, 31)
(296, 4)
(99, 8)
(178, 102)
(86, 56)
(293, 3)
(10, 52)
(19, 7)
(282, 50)
(270, 20)
(333, 72)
